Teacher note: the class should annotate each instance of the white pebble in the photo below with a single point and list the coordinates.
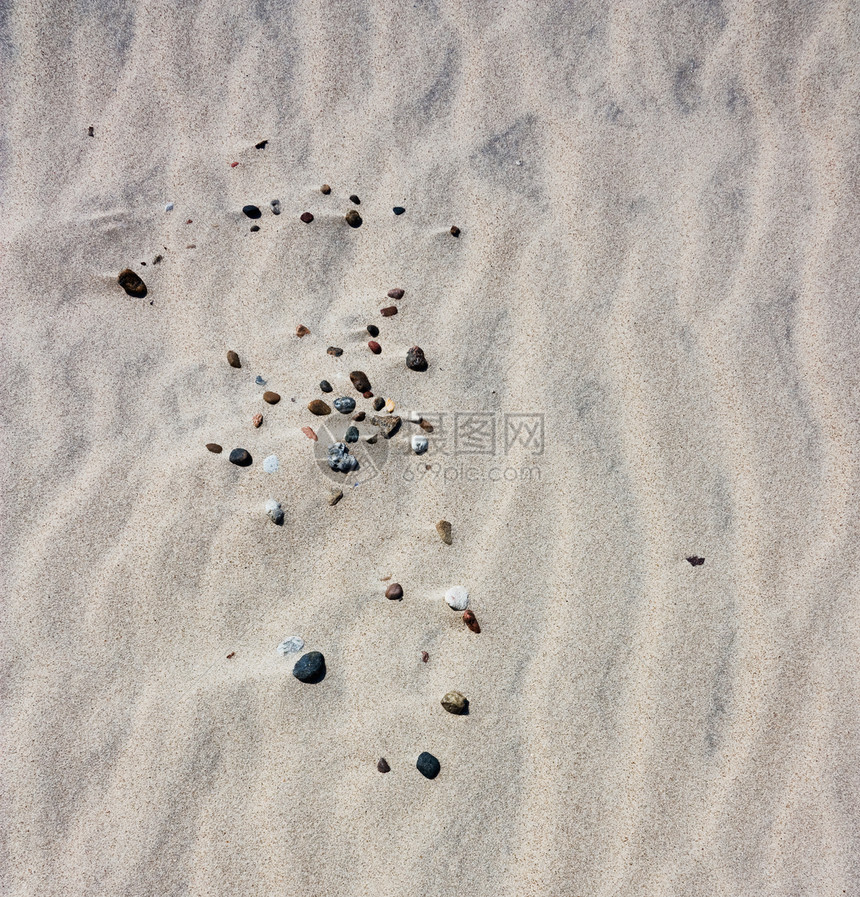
(290, 645)
(419, 444)
(168, 207)
(414, 417)
(274, 511)
(270, 464)
(457, 598)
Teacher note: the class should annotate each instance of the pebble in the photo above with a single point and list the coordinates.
(308, 431)
(394, 592)
(241, 457)
(259, 380)
(233, 359)
(252, 211)
(168, 207)
(425, 656)
(271, 464)
(261, 144)
(214, 448)
(471, 621)
(378, 403)
(257, 421)
(415, 359)
(271, 397)
(325, 189)
(389, 311)
(355, 199)
(443, 527)
(360, 381)
(353, 219)
(374, 347)
(276, 206)
(389, 405)
(371, 440)
(388, 426)
(334, 350)
(419, 444)
(382, 765)
(398, 210)
(345, 404)
(696, 561)
(255, 228)
(351, 435)
(318, 407)
(455, 231)
(91, 132)
(325, 386)
(359, 416)
(274, 511)
(457, 598)
(335, 496)
(291, 645)
(425, 425)
(428, 765)
(301, 331)
(373, 330)
(310, 667)
(233, 164)
(367, 395)
(454, 702)
(396, 293)
(307, 217)
(339, 458)
(131, 283)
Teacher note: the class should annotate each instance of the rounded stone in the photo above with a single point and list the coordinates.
(325, 189)
(251, 211)
(428, 765)
(255, 228)
(367, 395)
(457, 598)
(308, 431)
(419, 444)
(378, 403)
(257, 420)
(396, 293)
(374, 347)
(389, 405)
(455, 231)
(398, 210)
(345, 404)
(291, 645)
(276, 206)
(382, 765)
(359, 416)
(454, 702)
(471, 621)
(307, 217)
(351, 435)
(271, 464)
(131, 283)
(271, 397)
(233, 359)
(241, 457)
(415, 359)
(335, 350)
(373, 330)
(325, 386)
(318, 407)
(394, 592)
(214, 448)
(353, 219)
(275, 512)
(389, 311)
(360, 381)
(443, 527)
(355, 199)
(310, 667)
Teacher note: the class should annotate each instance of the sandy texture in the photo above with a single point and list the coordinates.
(659, 253)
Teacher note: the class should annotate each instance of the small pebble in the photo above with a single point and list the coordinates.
(374, 347)
(261, 144)
(389, 405)
(455, 231)
(233, 164)
(271, 397)
(355, 199)
(325, 386)
(91, 132)
(257, 420)
(271, 464)
(353, 219)
(168, 207)
(419, 444)
(443, 527)
(274, 511)
(255, 228)
(371, 440)
(456, 703)
(345, 404)
(425, 656)
(259, 380)
(301, 331)
(360, 381)
(696, 561)
(308, 431)
(339, 458)
(457, 598)
(378, 403)
(389, 311)
(373, 330)
(367, 395)
(394, 592)
(471, 621)
(325, 189)
(214, 448)
(428, 765)
(388, 426)
(396, 293)
(318, 407)
(241, 457)
(276, 206)
(131, 283)
(425, 425)
(334, 350)
(252, 211)
(307, 217)
(358, 416)
(231, 655)
(415, 359)
(335, 496)
(398, 210)
(310, 667)
(351, 435)
(233, 359)
(291, 645)
(382, 765)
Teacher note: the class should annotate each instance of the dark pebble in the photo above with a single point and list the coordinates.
(214, 448)
(388, 311)
(301, 331)
(345, 404)
(425, 656)
(455, 231)
(415, 359)
(378, 403)
(255, 228)
(233, 359)
(306, 217)
(271, 397)
(310, 667)
(241, 457)
(398, 210)
(367, 395)
(383, 766)
(318, 407)
(396, 293)
(696, 561)
(325, 386)
(428, 765)
(471, 621)
(276, 206)
(261, 144)
(90, 131)
(251, 211)
(351, 435)
(374, 347)
(358, 416)
(334, 350)
(394, 592)
(325, 189)
(131, 283)
(355, 199)
(373, 330)
(388, 426)
(353, 219)
(360, 381)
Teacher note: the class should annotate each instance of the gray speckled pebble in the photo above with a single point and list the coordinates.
(345, 404)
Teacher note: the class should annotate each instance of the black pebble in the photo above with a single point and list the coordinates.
(428, 766)
(383, 766)
(399, 210)
(325, 386)
(455, 231)
(378, 403)
(310, 667)
(241, 457)
(90, 132)
(373, 330)
(251, 211)
(415, 359)
(255, 228)
(131, 283)
(355, 199)
(696, 561)
(261, 144)
(353, 219)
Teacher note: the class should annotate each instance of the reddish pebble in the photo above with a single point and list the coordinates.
(396, 293)
(308, 431)
(306, 217)
(189, 221)
(394, 592)
(374, 347)
(233, 164)
(367, 395)
(470, 620)
(258, 420)
(231, 655)
(389, 311)
(425, 656)
(301, 331)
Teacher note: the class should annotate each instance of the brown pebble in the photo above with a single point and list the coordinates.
(385, 578)
(335, 496)
(325, 189)
(271, 397)
(308, 431)
(389, 311)
(425, 425)
(374, 347)
(334, 350)
(394, 592)
(455, 703)
(425, 656)
(415, 359)
(214, 448)
(382, 765)
(353, 219)
(367, 395)
(358, 416)
(257, 420)
(233, 359)
(360, 381)
(443, 527)
(471, 621)
(455, 231)
(318, 407)
(307, 217)
(131, 283)
(396, 293)
(301, 331)
(231, 655)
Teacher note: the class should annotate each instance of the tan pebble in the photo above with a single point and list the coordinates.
(233, 359)
(335, 496)
(443, 527)
(271, 397)
(301, 331)
(308, 431)
(258, 420)
(214, 448)
(454, 702)
(389, 406)
(318, 407)
(425, 425)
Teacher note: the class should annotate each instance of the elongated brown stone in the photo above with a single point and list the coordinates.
(443, 527)
(233, 359)
(131, 283)
(471, 621)
(396, 293)
(360, 381)
(388, 311)
(271, 397)
(214, 448)
(318, 407)
(374, 347)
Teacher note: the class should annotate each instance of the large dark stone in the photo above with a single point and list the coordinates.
(310, 667)
(428, 765)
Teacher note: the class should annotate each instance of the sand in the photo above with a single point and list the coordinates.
(658, 264)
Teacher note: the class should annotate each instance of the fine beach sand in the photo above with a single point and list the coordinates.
(659, 247)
